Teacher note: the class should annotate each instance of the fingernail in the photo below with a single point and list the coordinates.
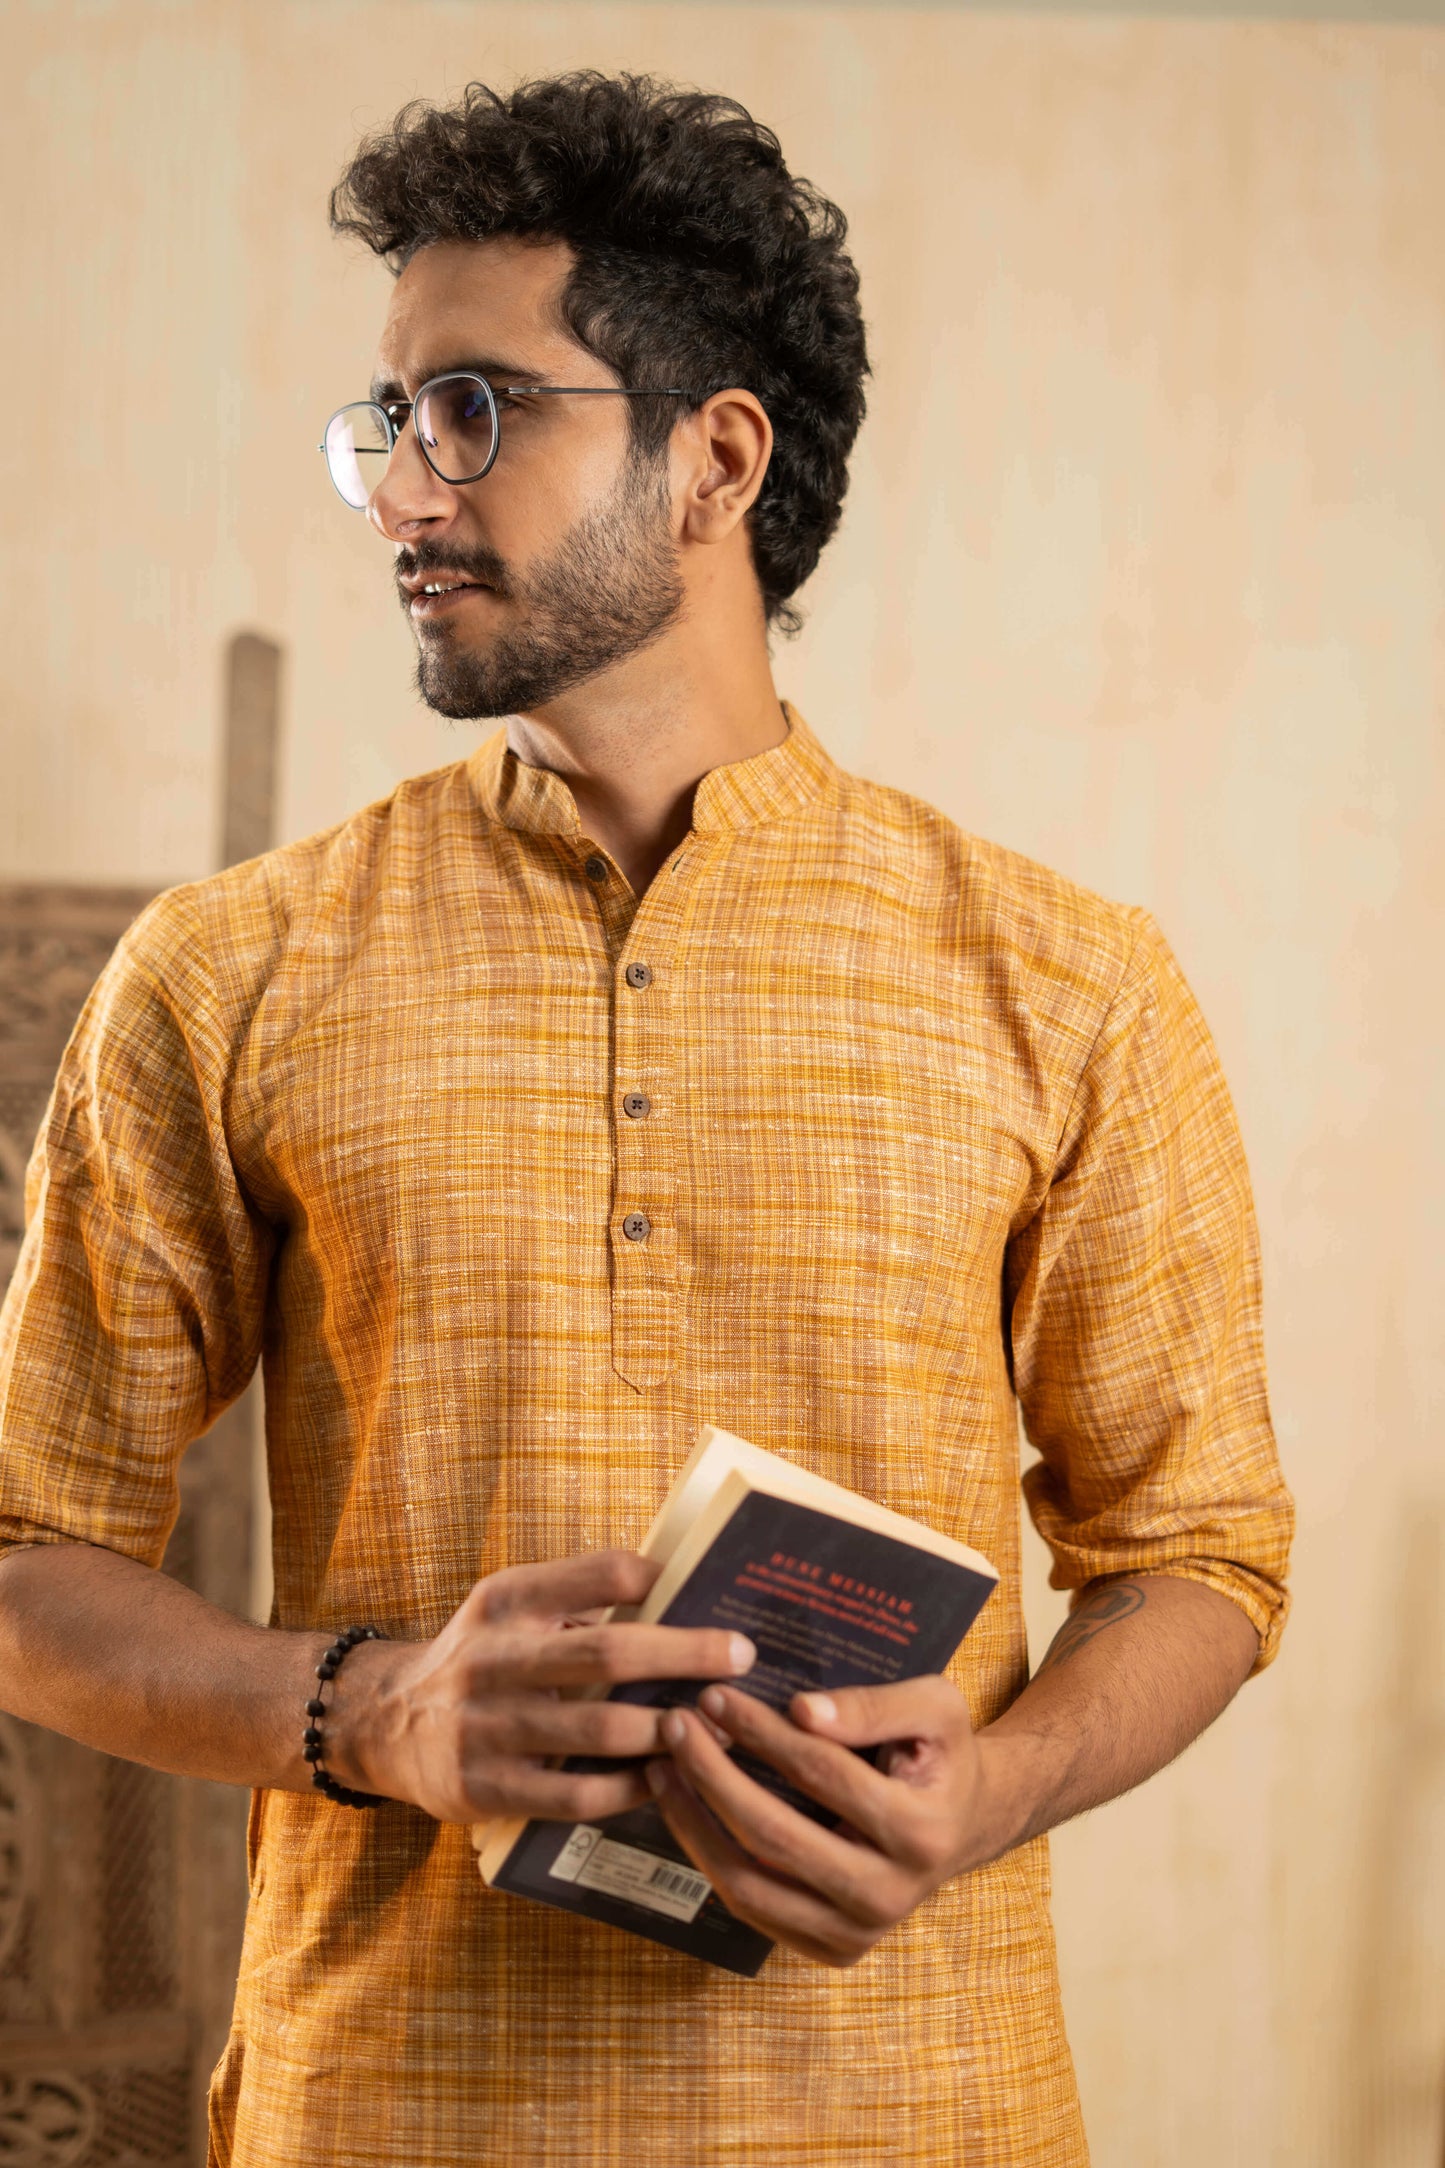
(674, 1731)
(657, 1777)
(821, 1708)
(711, 1700)
(741, 1653)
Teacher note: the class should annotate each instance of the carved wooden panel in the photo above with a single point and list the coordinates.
(122, 1891)
(53, 944)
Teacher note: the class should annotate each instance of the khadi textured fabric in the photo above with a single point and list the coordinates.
(932, 1135)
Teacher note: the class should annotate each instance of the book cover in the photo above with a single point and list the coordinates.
(827, 1603)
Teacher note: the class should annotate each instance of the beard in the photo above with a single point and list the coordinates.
(609, 589)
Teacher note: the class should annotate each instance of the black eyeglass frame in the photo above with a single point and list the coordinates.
(407, 407)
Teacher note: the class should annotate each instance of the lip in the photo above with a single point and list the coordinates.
(424, 605)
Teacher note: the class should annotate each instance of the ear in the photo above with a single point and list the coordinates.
(720, 456)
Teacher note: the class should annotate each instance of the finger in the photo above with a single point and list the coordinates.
(829, 1772)
(612, 1656)
(561, 1587)
(796, 1916)
(926, 1708)
(536, 1724)
(861, 1881)
(552, 1795)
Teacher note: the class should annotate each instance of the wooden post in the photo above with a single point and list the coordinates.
(253, 730)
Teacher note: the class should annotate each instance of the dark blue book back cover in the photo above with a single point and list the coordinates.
(827, 1604)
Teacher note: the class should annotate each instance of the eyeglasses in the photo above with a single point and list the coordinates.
(457, 426)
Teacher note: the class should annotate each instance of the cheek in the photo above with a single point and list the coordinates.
(556, 478)
(524, 517)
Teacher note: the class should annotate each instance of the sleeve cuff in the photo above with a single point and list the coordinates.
(1265, 1603)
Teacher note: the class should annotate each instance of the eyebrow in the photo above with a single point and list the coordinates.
(495, 372)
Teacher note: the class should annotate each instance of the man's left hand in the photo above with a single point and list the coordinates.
(930, 1809)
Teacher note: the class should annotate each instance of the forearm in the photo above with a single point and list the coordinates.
(132, 1662)
(466, 1725)
(1137, 1671)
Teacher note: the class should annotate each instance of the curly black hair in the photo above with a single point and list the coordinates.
(700, 260)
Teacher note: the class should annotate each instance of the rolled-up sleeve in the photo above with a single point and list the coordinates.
(134, 1314)
(1133, 1305)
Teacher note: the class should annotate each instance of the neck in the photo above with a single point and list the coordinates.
(634, 744)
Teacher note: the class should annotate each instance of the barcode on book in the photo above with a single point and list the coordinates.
(593, 1861)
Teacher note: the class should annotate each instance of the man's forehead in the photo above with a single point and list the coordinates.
(459, 302)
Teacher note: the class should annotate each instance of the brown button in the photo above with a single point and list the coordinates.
(595, 868)
(638, 975)
(636, 1104)
(637, 1227)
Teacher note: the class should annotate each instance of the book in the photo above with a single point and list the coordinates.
(832, 1589)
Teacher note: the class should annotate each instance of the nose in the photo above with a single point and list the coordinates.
(409, 499)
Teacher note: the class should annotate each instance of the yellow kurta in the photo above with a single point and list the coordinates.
(928, 1128)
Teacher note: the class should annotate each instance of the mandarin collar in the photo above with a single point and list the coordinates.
(766, 787)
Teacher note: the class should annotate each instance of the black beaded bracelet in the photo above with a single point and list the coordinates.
(313, 1745)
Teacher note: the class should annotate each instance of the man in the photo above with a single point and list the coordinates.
(641, 1070)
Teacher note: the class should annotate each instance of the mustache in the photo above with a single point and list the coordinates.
(429, 561)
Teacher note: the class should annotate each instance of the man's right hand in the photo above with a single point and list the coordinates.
(464, 1726)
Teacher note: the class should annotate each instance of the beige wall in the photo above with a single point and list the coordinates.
(1141, 574)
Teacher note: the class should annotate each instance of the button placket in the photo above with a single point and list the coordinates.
(650, 1275)
(644, 1165)
(611, 894)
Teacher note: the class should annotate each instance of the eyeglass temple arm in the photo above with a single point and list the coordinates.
(589, 391)
(562, 391)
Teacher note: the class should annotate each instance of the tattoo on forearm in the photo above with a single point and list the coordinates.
(1106, 1609)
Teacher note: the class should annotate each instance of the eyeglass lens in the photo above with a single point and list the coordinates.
(457, 424)
(455, 421)
(358, 445)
